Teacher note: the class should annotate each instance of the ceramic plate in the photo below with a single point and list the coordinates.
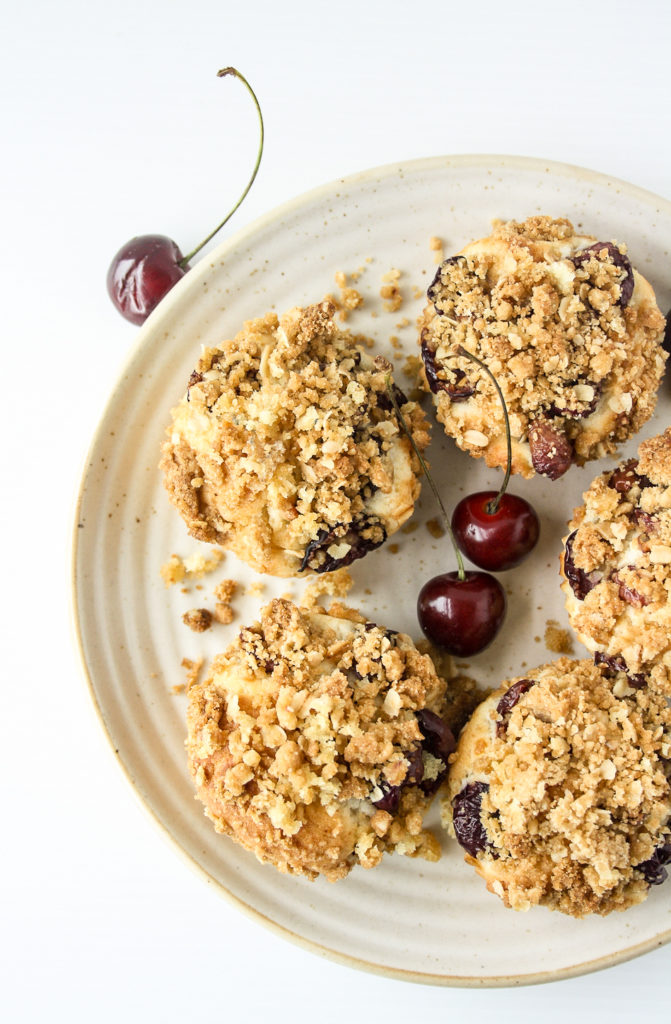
(406, 918)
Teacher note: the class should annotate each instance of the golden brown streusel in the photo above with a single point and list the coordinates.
(192, 672)
(436, 246)
(197, 565)
(334, 584)
(350, 298)
(561, 789)
(223, 593)
(571, 331)
(390, 291)
(557, 639)
(617, 567)
(197, 619)
(301, 462)
(302, 726)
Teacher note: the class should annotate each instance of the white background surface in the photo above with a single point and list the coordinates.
(113, 125)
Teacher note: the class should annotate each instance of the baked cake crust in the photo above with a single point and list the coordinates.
(311, 742)
(571, 331)
(560, 790)
(286, 448)
(616, 567)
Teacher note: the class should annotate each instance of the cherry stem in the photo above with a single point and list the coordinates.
(492, 507)
(461, 572)
(225, 72)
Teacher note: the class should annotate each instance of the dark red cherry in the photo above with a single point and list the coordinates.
(142, 273)
(495, 540)
(461, 615)
(146, 268)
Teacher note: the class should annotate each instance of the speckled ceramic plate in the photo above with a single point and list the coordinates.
(406, 918)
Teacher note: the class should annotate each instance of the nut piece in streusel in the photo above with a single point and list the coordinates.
(560, 794)
(617, 568)
(571, 331)
(286, 448)
(317, 741)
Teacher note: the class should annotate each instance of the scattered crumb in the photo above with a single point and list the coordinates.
(336, 584)
(192, 672)
(390, 291)
(557, 639)
(349, 298)
(197, 565)
(393, 548)
(197, 619)
(435, 528)
(173, 571)
(417, 293)
(224, 592)
(537, 639)
(403, 322)
(223, 613)
(410, 527)
(436, 245)
(256, 589)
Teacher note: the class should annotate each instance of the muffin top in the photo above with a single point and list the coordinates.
(317, 741)
(617, 567)
(560, 792)
(570, 330)
(287, 450)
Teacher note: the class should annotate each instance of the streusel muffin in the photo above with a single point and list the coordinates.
(571, 331)
(286, 448)
(616, 566)
(559, 791)
(317, 741)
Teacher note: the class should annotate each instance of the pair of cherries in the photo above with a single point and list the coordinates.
(462, 611)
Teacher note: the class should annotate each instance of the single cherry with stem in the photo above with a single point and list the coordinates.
(495, 530)
(459, 611)
(148, 266)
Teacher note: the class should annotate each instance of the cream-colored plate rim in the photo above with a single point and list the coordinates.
(247, 234)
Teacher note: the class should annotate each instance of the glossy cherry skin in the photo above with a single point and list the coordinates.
(499, 540)
(142, 273)
(461, 616)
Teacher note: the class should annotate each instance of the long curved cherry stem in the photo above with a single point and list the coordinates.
(236, 74)
(461, 572)
(493, 505)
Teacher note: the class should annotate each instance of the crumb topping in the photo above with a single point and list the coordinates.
(287, 450)
(574, 789)
(195, 566)
(390, 290)
(197, 619)
(617, 566)
(224, 593)
(302, 727)
(571, 331)
(557, 639)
